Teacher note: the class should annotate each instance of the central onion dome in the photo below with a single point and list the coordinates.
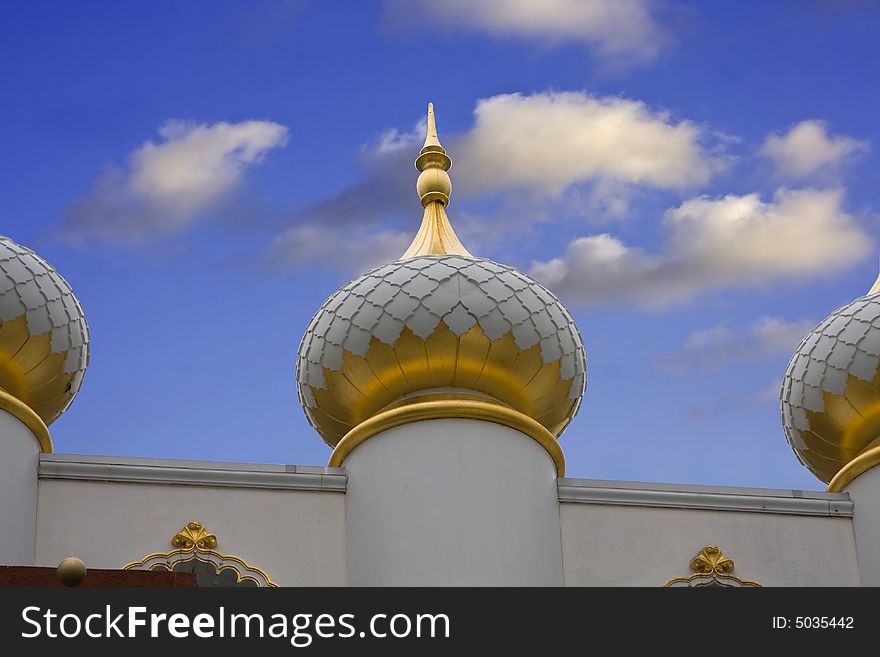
(44, 340)
(831, 393)
(441, 324)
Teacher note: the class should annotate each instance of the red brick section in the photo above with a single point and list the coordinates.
(40, 576)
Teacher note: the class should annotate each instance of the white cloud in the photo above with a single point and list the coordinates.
(720, 343)
(771, 393)
(394, 141)
(166, 186)
(556, 153)
(775, 335)
(731, 401)
(544, 143)
(619, 31)
(350, 249)
(808, 148)
(547, 142)
(733, 241)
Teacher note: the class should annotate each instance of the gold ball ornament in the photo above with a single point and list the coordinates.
(434, 185)
(71, 571)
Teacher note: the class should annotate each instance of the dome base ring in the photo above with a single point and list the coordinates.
(453, 407)
(28, 417)
(858, 466)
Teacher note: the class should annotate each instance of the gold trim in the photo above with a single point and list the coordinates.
(240, 577)
(858, 466)
(135, 565)
(717, 578)
(710, 565)
(193, 541)
(29, 418)
(463, 407)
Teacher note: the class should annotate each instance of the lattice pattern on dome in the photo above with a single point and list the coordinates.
(44, 338)
(434, 321)
(831, 390)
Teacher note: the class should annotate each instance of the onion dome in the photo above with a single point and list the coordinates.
(831, 393)
(44, 340)
(457, 333)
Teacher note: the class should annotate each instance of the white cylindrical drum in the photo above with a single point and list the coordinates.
(18, 491)
(865, 493)
(452, 502)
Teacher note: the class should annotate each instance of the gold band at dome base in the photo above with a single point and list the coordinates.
(28, 417)
(858, 466)
(466, 409)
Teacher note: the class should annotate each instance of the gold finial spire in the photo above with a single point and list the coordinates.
(874, 288)
(435, 236)
(432, 141)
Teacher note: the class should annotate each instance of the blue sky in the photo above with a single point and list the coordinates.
(698, 181)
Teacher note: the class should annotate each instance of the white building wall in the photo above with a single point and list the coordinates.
(611, 545)
(486, 514)
(296, 536)
(452, 502)
(18, 491)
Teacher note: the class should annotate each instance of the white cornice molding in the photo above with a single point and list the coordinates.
(327, 479)
(713, 498)
(191, 473)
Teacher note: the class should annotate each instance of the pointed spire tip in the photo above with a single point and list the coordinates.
(432, 141)
(435, 236)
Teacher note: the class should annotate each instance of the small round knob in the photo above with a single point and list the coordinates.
(71, 571)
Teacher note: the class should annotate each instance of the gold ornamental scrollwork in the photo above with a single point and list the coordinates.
(195, 543)
(194, 537)
(710, 561)
(711, 567)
